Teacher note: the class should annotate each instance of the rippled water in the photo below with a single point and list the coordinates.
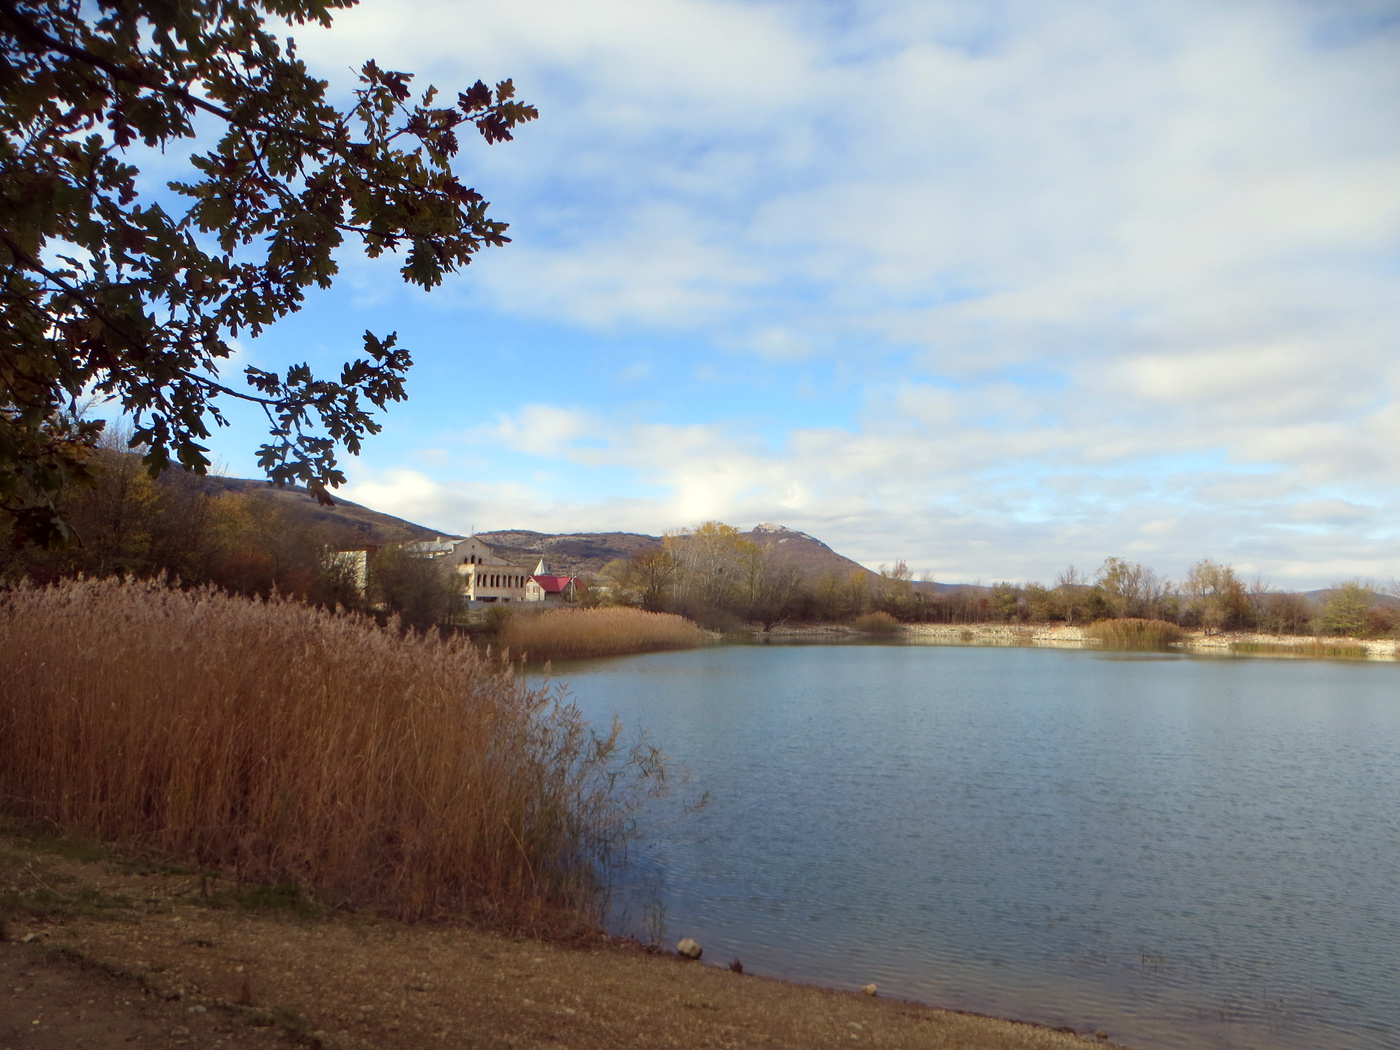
(1181, 851)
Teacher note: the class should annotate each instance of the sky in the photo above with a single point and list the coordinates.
(992, 287)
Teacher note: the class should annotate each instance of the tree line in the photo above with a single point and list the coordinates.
(245, 540)
(719, 576)
(199, 530)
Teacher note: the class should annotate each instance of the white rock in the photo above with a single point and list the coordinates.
(869, 989)
(689, 949)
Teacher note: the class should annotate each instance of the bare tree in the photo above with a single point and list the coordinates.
(1215, 596)
(1131, 589)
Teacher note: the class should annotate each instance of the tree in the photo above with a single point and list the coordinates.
(106, 288)
(413, 588)
(1348, 604)
(894, 591)
(1130, 589)
(1072, 594)
(643, 579)
(1216, 597)
(770, 582)
(708, 562)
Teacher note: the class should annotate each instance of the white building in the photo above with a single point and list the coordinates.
(488, 577)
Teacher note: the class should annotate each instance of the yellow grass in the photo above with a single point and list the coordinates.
(1312, 649)
(1134, 633)
(570, 634)
(876, 623)
(283, 743)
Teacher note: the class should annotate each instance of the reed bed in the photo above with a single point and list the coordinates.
(1311, 650)
(1132, 633)
(573, 634)
(289, 744)
(878, 623)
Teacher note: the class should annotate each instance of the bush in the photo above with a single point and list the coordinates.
(571, 634)
(1347, 608)
(1134, 633)
(881, 623)
(295, 745)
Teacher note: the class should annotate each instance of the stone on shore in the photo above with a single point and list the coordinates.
(688, 949)
(869, 989)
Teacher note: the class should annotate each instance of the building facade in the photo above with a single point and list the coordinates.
(487, 577)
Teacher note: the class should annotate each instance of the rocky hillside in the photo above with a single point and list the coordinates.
(568, 554)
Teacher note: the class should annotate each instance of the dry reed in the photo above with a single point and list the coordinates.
(1134, 633)
(572, 634)
(881, 623)
(291, 744)
(1310, 649)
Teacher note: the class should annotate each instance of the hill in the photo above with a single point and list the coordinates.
(372, 526)
(572, 554)
(586, 553)
(568, 554)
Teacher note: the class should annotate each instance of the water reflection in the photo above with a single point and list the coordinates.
(1183, 852)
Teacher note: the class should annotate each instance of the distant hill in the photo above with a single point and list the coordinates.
(568, 554)
(571, 554)
(816, 559)
(813, 557)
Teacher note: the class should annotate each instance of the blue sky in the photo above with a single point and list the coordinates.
(990, 287)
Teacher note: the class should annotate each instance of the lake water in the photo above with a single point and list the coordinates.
(1183, 852)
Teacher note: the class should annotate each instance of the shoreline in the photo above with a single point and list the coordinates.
(144, 952)
(1065, 636)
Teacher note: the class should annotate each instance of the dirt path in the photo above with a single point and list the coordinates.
(101, 954)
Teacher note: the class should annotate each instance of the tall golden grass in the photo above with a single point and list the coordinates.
(571, 634)
(879, 622)
(1311, 649)
(1133, 633)
(292, 744)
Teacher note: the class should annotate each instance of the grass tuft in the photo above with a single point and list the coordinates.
(573, 634)
(282, 897)
(289, 745)
(1131, 633)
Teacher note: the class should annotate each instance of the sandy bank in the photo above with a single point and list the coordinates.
(126, 958)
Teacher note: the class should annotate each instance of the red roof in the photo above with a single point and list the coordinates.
(553, 584)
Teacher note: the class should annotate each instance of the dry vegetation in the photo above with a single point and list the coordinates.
(1316, 648)
(287, 744)
(1133, 633)
(571, 634)
(881, 623)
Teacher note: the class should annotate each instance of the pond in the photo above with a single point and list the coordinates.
(1179, 851)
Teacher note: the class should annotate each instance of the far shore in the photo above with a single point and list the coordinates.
(1064, 636)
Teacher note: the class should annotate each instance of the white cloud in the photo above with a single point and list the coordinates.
(1098, 279)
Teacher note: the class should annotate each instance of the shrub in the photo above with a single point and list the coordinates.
(1134, 633)
(295, 745)
(881, 623)
(1348, 604)
(571, 634)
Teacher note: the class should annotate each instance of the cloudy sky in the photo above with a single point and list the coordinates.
(993, 287)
